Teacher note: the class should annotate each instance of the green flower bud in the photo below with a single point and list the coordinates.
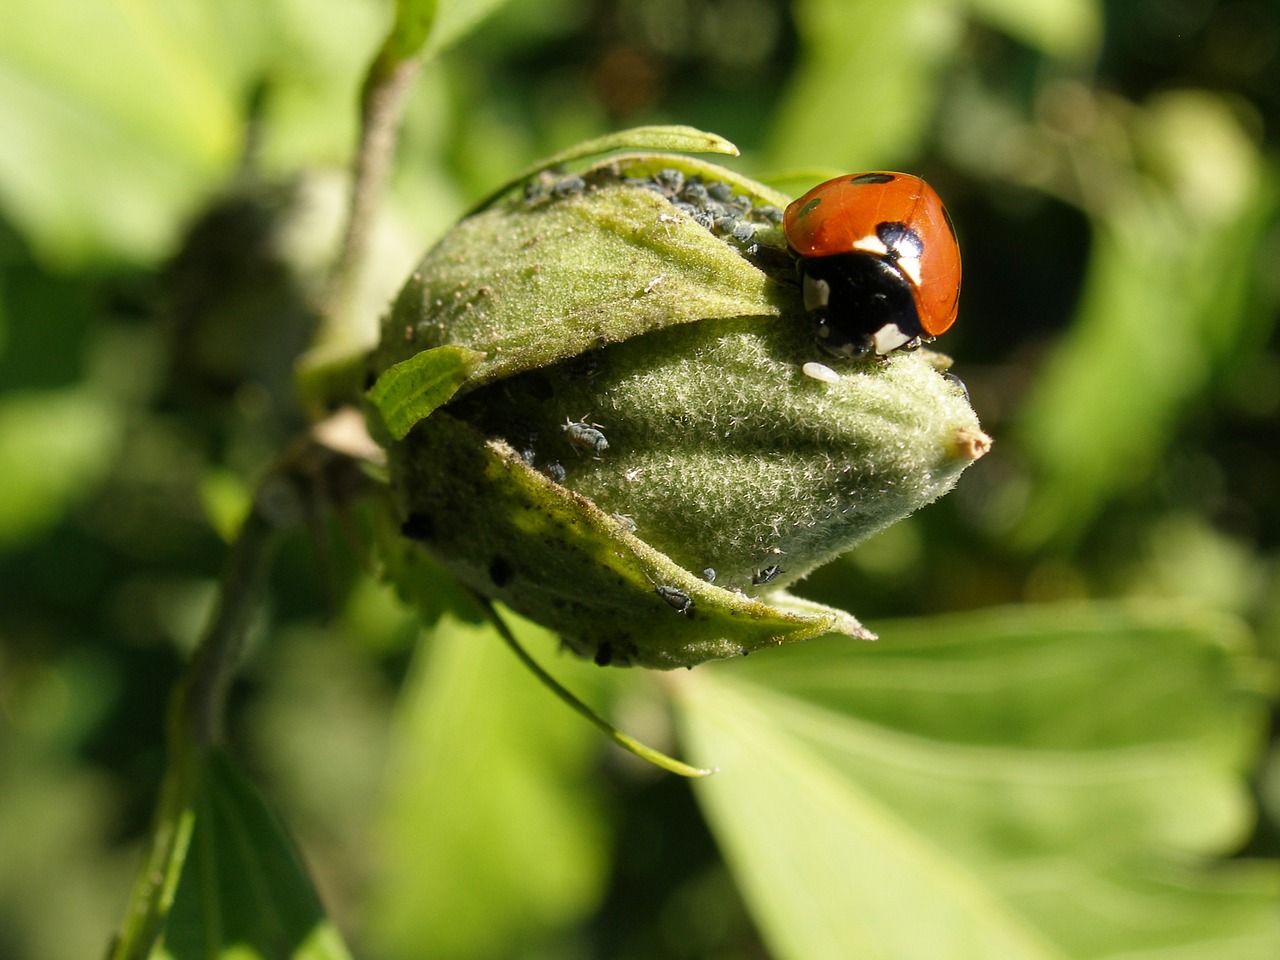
(608, 410)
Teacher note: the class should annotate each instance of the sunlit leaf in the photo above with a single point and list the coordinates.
(54, 447)
(492, 835)
(244, 892)
(884, 111)
(1061, 28)
(415, 387)
(119, 118)
(101, 149)
(428, 26)
(1166, 297)
(670, 138)
(1013, 784)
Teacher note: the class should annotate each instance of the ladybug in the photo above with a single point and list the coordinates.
(878, 260)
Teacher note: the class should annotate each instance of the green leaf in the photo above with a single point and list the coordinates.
(1038, 784)
(674, 137)
(54, 448)
(97, 156)
(413, 388)
(511, 533)
(530, 283)
(1067, 29)
(883, 114)
(1167, 297)
(120, 118)
(243, 892)
(426, 27)
(493, 837)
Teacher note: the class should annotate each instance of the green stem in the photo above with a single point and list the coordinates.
(195, 723)
(200, 701)
(382, 100)
(630, 744)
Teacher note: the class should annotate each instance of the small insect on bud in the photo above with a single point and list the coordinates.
(586, 436)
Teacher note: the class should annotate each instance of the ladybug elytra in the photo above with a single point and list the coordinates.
(878, 259)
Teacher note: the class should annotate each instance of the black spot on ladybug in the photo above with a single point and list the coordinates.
(604, 654)
(418, 526)
(900, 241)
(809, 207)
(500, 572)
(873, 178)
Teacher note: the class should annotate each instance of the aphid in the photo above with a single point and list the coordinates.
(768, 574)
(568, 187)
(678, 600)
(709, 575)
(555, 470)
(585, 436)
(721, 191)
(694, 192)
(670, 180)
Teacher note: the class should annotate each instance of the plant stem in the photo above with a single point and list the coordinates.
(382, 100)
(195, 723)
(628, 743)
(201, 699)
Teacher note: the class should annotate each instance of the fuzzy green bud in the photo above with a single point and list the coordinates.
(604, 406)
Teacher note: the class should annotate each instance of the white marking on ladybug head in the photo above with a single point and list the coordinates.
(817, 293)
(889, 337)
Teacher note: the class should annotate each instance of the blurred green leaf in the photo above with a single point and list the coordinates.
(116, 119)
(427, 27)
(1067, 29)
(54, 447)
(1167, 299)
(243, 892)
(493, 834)
(875, 67)
(1008, 784)
(104, 145)
(413, 388)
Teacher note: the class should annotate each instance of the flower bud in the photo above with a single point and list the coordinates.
(605, 407)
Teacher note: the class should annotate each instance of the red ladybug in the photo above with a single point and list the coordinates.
(878, 259)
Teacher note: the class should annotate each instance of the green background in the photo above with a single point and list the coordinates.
(1067, 751)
